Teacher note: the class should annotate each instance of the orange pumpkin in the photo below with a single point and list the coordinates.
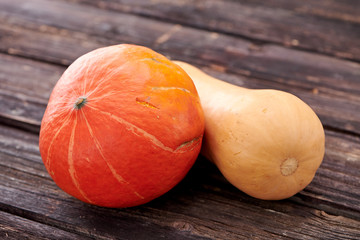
(123, 126)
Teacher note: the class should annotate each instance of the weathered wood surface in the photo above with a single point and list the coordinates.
(15, 227)
(204, 204)
(330, 27)
(249, 43)
(298, 72)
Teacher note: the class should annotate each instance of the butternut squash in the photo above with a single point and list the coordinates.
(267, 143)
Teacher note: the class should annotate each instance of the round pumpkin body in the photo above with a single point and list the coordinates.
(267, 143)
(123, 126)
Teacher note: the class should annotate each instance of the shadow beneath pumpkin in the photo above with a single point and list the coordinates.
(204, 192)
(204, 187)
(203, 198)
(202, 178)
(159, 216)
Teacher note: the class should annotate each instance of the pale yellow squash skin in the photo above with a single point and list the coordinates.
(267, 143)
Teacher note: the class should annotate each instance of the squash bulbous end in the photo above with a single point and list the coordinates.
(267, 143)
(269, 155)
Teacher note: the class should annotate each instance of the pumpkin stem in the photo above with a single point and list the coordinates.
(289, 166)
(80, 102)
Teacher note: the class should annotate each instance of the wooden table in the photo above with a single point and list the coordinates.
(310, 48)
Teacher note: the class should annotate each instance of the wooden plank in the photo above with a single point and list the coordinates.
(46, 44)
(268, 65)
(346, 11)
(28, 191)
(329, 27)
(203, 205)
(341, 162)
(94, 223)
(325, 100)
(332, 186)
(15, 227)
(110, 25)
(337, 182)
(25, 88)
(23, 76)
(234, 54)
(23, 106)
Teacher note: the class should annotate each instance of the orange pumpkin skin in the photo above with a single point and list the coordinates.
(123, 126)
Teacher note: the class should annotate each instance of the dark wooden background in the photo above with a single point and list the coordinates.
(310, 48)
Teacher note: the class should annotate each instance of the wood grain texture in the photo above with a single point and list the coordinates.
(25, 88)
(326, 83)
(250, 43)
(28, 191)
(202, 206)
(15, 227)
(24, 107)
(304, 24)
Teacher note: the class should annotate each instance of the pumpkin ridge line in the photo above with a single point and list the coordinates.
(171, 88)
(104, 79)
(73, 90)
(93, 76)
(131, 127)
(95, 99)
(116, 175)
(55, 119)
(100, 83)
(47, 164)
(72, 170)
(85, 75)
(190, 142)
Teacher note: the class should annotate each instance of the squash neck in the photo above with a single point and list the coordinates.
(205, 83)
